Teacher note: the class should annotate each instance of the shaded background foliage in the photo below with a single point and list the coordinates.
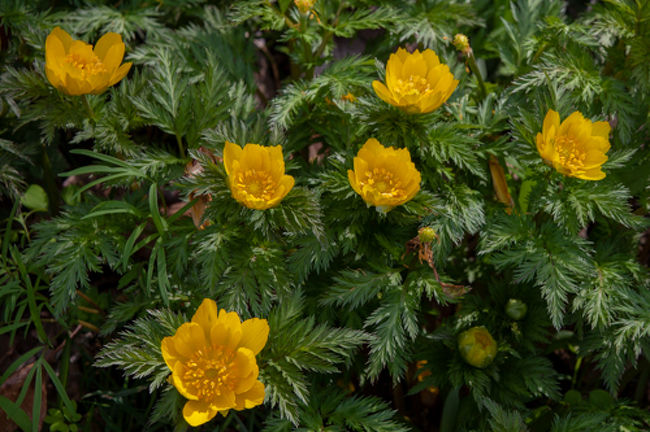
(100, 262)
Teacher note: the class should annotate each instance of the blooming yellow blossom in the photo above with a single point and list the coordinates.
(76, 68)
(256, 175)
(416, 83)
(384, 177)
(477, 346)
(212, 359)
(576, 147)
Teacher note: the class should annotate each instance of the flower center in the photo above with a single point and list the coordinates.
(208, 372)
(569, 154)
(258, 184)
(87, 65)
(384, 182)
(413, 86)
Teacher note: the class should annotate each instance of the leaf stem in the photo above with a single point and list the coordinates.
(240, 423)
(471, 62)
(181, 149)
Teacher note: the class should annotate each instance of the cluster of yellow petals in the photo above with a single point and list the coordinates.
(384, 177)
(212, 359)
(76, 68)
(304, 6)
(416, 83)
(576, 147)
(256, 175)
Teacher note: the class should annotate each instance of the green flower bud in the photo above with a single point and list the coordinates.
(516, 309)
(426, 234)
(477, 347)
(461, 42)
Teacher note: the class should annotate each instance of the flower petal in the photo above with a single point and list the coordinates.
(382, 91)
(231, 152)
(169, 352)
(120, 73)
(188, 339)
(107, 43)
(601, 129)
(251, 398)
(244, 362)
(177, 380)
(255, 333)
(431, 58)
(198, 412)
(206, 315)
(227, 331)
(63, 36)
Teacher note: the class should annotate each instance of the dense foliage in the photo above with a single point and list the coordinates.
(505, 295)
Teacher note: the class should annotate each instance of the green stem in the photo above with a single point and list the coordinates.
(576, 369)
(91, 113)
(240, 423)
(50, 183)
(181, 149)
(326, 39)
(471, 61)
(642, 384)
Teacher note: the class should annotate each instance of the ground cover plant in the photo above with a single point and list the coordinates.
(324, 215)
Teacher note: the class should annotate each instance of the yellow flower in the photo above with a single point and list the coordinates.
(384, 177)
(75, 68)
(416, 83)
(256, 175)
(477, 346)
(304, 6)
(576, 147)
(212, 359)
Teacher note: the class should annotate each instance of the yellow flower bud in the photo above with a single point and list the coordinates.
(477, 347)
(500, 184)
(427, 234)
(461, 42)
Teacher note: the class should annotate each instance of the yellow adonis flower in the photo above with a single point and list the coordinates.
(256, 175)
(384, 177)
(76, 68)
(416, 83)
(212, 359)
(576, 147)
(304, 6)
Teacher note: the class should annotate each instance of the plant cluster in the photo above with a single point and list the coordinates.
(325, 215)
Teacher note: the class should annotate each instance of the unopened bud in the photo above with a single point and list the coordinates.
(516, 309)
(426, 234)
(461, 42)
(500, 184)
(477, 347)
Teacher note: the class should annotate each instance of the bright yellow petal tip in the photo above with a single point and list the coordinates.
(576, 147)
(212, 359)
(76, 68)
(256, 175)
(416, 82)
(384, 177)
